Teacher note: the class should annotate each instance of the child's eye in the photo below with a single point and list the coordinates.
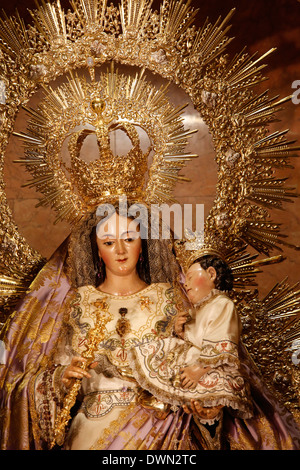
(108, 243)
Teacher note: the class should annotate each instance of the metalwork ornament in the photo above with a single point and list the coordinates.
(221, 89)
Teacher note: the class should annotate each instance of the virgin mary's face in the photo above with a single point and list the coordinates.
(119, 244)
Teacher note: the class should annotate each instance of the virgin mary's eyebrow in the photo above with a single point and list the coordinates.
(107, 235)
(111, 235)
(129, 232)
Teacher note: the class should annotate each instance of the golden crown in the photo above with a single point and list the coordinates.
(108, 176)
(244, 266)
(114, 102)
(196, 245)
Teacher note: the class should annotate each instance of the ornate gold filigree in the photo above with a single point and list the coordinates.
(221, 88)
(113, 102)
(270, 326)
(95, 335)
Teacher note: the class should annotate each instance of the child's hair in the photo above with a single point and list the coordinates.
(224, 279)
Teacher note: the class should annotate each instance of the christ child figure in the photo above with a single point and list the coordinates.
(198, 366)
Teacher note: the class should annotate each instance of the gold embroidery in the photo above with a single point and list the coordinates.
(144, 324)
(123, 324)
(266, 438)
(113, 429)
(145, 302)
(101, 304)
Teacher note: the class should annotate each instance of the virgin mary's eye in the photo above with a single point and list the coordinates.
(108, 243)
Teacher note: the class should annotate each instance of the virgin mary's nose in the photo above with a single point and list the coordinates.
(120, 247)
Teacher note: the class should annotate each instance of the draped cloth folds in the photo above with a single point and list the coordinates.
(29, 338)
(142, 429)
(272, 426)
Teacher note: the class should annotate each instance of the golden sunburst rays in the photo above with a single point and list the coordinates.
(271, 192)
(90, 13)
(265, 236)
(130, 98)
(11, 288)
(270, 152)
(134, 15)
(175, 18)
(258, 190)
(172, 26)
(245, 266)
(13, 32)
(14, 36)
(210, 40)
(244, 71)
(49, 18)
(15, 281)
(251, 110)
(282, 305)
(283, 300)
(274, 150)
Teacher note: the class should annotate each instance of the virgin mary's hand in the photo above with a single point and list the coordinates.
(74, 371)
(201, 411)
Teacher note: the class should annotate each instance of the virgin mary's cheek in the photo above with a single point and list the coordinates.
(136, 248)
(105, 256)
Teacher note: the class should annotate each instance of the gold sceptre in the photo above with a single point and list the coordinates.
(94, 336)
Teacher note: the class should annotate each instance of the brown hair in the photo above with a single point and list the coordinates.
(224, 279)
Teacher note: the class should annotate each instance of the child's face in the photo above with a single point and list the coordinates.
(199, 282)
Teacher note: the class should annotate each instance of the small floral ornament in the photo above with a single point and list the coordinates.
(99, 48)
(223, 220)
(195, 240)
(209, 98)
(232, 157)
(159, 56)
(145, 302)
(2, 92)
(38, 71)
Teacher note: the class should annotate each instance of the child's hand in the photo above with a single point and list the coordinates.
(180, 321)
(191, 375)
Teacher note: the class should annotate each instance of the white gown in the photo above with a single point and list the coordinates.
(211, 338)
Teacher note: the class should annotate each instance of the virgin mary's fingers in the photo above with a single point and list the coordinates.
(76, 372)
(78, 360)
